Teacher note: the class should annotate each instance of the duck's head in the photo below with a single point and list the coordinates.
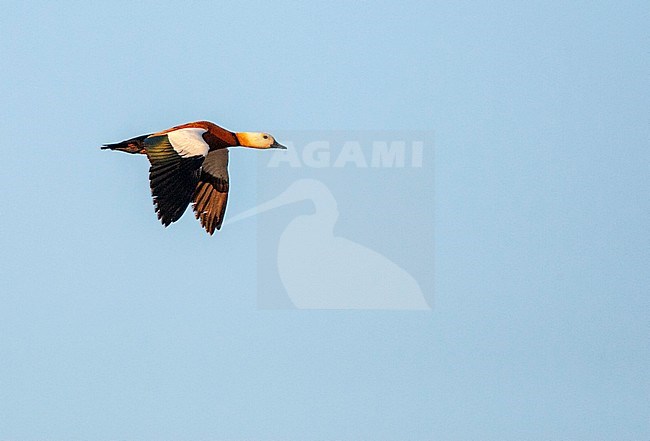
(258, 140)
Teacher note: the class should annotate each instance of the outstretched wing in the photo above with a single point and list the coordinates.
(176, 159)
(211, 192)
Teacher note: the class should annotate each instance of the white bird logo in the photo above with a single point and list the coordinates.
(322, 271)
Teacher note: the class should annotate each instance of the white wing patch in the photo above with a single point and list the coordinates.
(189, 142)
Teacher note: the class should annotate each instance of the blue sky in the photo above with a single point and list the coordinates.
(112, 327)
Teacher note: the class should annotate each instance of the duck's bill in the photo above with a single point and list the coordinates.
(277, 145)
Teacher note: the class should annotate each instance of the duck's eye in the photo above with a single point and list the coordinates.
(266, 137)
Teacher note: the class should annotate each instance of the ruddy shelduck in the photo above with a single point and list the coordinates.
(189, 163)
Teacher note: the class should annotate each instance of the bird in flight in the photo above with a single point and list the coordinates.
(189, 163)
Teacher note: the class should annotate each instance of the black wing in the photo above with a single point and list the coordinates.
(173, 178)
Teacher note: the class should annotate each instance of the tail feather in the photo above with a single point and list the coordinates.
(133, 145)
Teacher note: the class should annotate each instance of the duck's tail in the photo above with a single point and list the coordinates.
(133, 145)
